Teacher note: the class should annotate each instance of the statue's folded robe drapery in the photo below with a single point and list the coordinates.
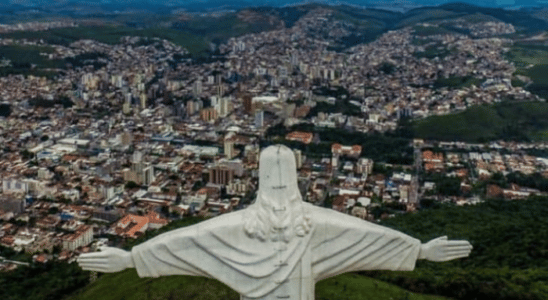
(219, 248)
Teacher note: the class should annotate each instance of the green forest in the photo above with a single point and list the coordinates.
(516, 121)
(509, 259)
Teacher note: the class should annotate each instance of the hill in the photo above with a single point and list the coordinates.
(128, 286)
(518, 121)
(509, 259)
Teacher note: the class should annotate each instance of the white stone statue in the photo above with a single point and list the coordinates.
(278, 247)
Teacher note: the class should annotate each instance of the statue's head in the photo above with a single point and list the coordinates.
(278, 208)
(278, 177)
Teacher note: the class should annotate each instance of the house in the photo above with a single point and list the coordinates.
(300, 136)
(133, 226)
(351, 151)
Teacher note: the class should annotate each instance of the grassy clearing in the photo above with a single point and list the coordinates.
(128, 286)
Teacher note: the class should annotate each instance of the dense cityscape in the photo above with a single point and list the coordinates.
(129, 137)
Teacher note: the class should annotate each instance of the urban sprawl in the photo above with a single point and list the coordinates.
(153, 136)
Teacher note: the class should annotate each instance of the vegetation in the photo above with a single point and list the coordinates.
(127, 285)
(456, 82)
(53, 280)
(110, 34)
(340, 106)
(431, 30)
(432, 52)
(531, 60)
(518, 121)
(40, 102)
(28, 60)
(508, 260)
(379, 147)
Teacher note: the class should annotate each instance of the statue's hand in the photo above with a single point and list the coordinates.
(109, 260)
(440, 249)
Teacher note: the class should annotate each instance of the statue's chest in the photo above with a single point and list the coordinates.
(290, 288)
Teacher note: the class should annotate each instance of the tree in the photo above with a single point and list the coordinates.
(131, 185)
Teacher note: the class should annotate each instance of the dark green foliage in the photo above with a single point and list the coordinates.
(131, 185)
(522, 20)
(457, 82)
(431, 30)
(5, 110)
(54, 280)
(27, 60)
(85, 59)
(64, 101)
(509, 259)
(536, 181)
(379, 147)
(340, 106)
(433, 51)
(517, 121)
(387, 68)
(448, 186)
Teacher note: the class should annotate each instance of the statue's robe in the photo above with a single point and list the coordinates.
(219, 248)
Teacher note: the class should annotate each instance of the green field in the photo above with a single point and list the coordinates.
(507, 121)
(128, 286)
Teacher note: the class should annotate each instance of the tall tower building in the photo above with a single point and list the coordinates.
(221, 175)
(259, 119)
(298, 158)
(148, 175)
(229, 149)
(248, 104)
(143, 99)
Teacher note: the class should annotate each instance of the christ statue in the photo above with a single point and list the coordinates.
(279, 246)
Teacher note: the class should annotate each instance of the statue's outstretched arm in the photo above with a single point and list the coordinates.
(109, 260)
(440, 249)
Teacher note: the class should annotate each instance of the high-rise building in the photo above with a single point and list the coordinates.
(221, 175)
(14, 203)
(126, 138)
(126, 108)
(190, 108)
(143, 99)
(137, 157)
(298, 158)
(197, 89)
(148, 175)
(222, 106)
(229, 149)
(364, 166)
(208, 114)
(259, 119)
(248, 104)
